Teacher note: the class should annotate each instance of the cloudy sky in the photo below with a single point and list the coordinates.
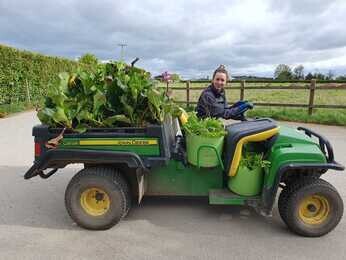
(188, 37)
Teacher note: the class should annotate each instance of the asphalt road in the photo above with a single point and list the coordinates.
(35, 225)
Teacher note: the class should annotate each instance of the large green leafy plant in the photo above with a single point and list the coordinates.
(109, 95)
(207, 127)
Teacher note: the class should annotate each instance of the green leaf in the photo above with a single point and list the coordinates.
(64, 77)
(110, 121)
(120, 84)
(84, 116)
(45, 115)
(81, 128)
(127, 107)
(99, 101)
(60, 117)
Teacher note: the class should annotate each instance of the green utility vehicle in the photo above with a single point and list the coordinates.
(121, 165)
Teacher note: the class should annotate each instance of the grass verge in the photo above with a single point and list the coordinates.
(7, 109)
(319, 116)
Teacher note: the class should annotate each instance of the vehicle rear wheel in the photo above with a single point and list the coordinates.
(311, 208)
(97, 198)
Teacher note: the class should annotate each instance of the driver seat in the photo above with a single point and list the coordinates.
(241, 133)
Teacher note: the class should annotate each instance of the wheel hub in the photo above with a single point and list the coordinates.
(311, 208)
(99, 196)
(95, 201)
(314, 210)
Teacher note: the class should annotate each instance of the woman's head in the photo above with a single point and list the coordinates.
(220, 78)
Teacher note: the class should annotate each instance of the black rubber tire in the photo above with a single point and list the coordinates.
(289, 205)
(298, 177)
(283, 202)
(297, 182)
(112, 182)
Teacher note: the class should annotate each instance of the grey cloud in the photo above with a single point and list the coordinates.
(188, 37)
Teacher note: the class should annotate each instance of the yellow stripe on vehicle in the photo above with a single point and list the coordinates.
(119, 142)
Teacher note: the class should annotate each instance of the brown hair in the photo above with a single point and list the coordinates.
(221, 69)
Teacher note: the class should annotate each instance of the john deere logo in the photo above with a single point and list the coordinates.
(119, 142)
(137, 142)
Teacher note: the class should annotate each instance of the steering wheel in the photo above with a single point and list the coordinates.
(243, 106)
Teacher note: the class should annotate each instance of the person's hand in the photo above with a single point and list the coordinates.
(242, 106)
(242, 103)
(237, 110)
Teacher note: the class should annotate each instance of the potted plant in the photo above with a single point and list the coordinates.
(249, 178)
(204, 140)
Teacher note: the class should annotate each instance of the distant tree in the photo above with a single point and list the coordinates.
(309, 76)
(283, 72)
(299, 72)
(175, 77)
(319, 76)
(89, 59)
(250, 77)
(330, 75)
(342, 77)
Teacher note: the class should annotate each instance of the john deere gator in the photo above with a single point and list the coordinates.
(121, 165)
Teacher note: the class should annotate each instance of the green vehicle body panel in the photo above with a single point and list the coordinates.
(227, 200)
(177, 179)
(123, 144)
(291, 146)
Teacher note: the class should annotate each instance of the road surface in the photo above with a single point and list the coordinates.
(35, 225)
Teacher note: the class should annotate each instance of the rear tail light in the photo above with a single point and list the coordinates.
(37, 149)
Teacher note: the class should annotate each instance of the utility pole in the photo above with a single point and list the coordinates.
(122, 45)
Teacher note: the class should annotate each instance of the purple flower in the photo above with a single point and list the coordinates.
(166, 76)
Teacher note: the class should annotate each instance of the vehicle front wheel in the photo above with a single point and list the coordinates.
(311, 208)
(97, 198)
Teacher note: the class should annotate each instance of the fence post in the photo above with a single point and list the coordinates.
(167, 88)
(242, 88)
(312, 95)
(188, 93)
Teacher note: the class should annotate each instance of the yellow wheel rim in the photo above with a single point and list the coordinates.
(314, 210)
(95, 201)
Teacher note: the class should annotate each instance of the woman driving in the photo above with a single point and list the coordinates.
(213, 103)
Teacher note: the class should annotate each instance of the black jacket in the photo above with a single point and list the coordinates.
(211, 103)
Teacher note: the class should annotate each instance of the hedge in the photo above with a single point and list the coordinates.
(24, 72)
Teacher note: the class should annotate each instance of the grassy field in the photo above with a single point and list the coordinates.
(322, 97)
